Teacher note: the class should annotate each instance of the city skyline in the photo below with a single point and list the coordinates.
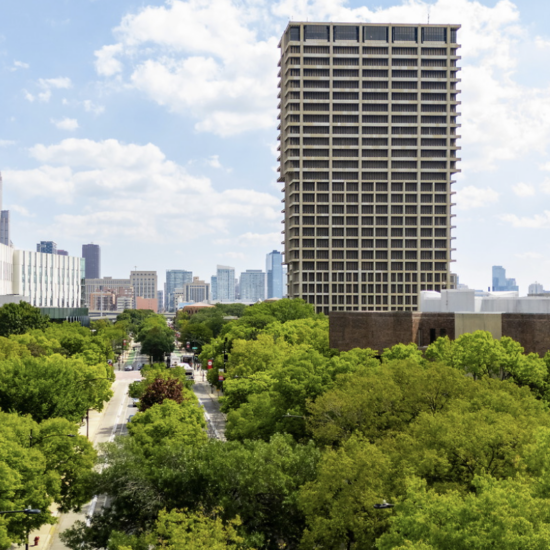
(89, 170)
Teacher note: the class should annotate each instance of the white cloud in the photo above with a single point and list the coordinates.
(134, 190)
(542, 43)
(69, 124)
(233, 255)
(20, 210)
(207, 60)
(106, 64)
(530, 255)
(6, 142)
(46, 85)
(265, 240)
(523, 189)
(545, 167)
(475, 197)
(19, 65)
(201, 59)
(91, 107)
(537, 221)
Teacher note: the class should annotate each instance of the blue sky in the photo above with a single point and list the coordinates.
(150, 128)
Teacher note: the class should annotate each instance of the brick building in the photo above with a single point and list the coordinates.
(380, 330)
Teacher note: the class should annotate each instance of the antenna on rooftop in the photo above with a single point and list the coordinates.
(428, 15)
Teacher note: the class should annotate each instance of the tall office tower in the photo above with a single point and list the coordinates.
(62, 252)
(214, 287)
(252, 285)
(5, 237)
(368, 139)
(92, 254)
(274, 271)
(47, 247)
(500, 282)
(144, 284)
(175, 278)
(225, 283)
(160, 297)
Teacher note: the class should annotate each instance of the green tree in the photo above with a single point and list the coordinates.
(401, 352)
(55, 469)
(156, 342)
(170, 421)
(53, 386)
(339, 503)
(500, 514)
(21, 317)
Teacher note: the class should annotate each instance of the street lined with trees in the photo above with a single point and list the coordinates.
(366, 449)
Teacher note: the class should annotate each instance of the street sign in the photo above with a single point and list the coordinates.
(210, 363)
(221, 370)
(220, 378)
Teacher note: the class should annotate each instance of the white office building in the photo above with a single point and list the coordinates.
(45, 280)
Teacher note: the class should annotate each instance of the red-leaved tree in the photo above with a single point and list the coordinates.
(160, 390)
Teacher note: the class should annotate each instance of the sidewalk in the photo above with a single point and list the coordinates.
(215, 419)
(46, 532)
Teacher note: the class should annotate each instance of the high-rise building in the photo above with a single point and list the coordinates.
(225, 283)
(5, 237)
(160, 298)
(47, 247)
(500, 282)
(274, 271)
(175, 278)
(62, 252)
(252, 285)
(368, 150)
(145, 285)
(196, 291)
(92, 254)
(214, 287)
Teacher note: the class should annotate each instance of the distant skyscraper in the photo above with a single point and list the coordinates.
(252, 285)
(500, 282)
(274, 270)
(47, 247)
(214, 287)
(537, 288)
(175, 279)
(160, 295)
(5, 237)
(92, 254)
(62, 252)
(145, 284)
(225, 283)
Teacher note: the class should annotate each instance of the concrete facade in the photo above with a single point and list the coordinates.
(368, 149)
(380, 330)
(144, 284)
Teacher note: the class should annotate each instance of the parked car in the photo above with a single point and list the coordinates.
(128, 367)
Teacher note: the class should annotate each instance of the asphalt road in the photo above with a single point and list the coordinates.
(103, 427)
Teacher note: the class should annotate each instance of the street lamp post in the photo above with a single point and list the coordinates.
(28, 512)
(88, 410)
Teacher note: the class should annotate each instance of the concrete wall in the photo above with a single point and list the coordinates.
(470, 322)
